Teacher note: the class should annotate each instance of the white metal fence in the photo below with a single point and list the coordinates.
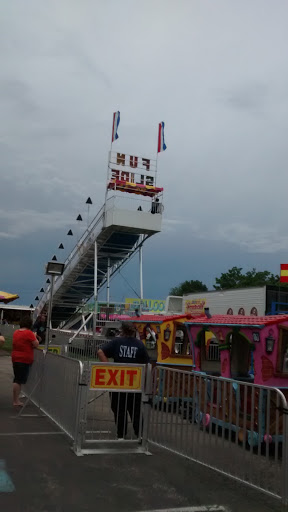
(53, 385)
(113, 420)
(33, 386)
(96, 419)
(60, 391)
(237, 428)
(84, 350)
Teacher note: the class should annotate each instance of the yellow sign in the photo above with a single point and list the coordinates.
(195, 306)
(56, 349)
(148, 305)
(119, 378)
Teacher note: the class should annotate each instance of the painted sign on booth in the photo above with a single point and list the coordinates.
(117, 378)
(195, 306)
(55, 349)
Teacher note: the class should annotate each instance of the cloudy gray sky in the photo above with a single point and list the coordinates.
(216, 73)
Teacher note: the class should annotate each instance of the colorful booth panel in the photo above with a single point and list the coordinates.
(134, 188)
(168, 336)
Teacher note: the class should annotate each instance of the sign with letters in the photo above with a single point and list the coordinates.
(132, 169)
(148, 305)
(55, 349)
(195, 306)
(117, 378)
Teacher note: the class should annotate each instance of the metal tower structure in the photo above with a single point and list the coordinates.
(132, 212)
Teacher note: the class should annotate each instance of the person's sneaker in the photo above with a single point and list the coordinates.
(120, 438)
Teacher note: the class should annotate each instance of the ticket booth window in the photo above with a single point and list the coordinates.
(240, 356)
(210, 354)
(282, 356)
(181, 341)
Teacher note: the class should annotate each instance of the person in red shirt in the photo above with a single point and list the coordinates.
(24, 342)
(2, 340)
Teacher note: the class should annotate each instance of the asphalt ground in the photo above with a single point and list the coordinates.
(40, 473)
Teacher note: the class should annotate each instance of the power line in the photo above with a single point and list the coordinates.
(129, 284)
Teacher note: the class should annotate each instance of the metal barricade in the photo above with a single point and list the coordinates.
(32, 388)
(54, 386)
(114, 409)
(55, 349)
(60, 391)
(237, 428)
(84, 349)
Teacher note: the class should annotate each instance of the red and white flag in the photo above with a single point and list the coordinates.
(161, 142)
(116, 122)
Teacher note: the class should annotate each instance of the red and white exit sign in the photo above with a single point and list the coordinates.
(117, 378)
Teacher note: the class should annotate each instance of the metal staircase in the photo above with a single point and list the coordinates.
(111, 239)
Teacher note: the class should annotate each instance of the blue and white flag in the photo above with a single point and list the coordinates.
(161, 142)
(116, 122)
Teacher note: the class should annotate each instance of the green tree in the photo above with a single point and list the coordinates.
(235, 278)
(188, 287)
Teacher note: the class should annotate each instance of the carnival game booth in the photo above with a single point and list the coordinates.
(221, 371)
(251, 350)
(244, 348)
(166, 339)
(168, 342)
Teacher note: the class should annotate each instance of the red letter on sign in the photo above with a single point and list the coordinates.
(115, 173)
(131, 373)
(112, 379)
(120, 159)
(134, 161)
(146, 162)
(124, 176)
(122, 375)
(141, 182)
(150, 181)
(99, 377)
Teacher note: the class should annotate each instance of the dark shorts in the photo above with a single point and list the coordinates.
(21, 372)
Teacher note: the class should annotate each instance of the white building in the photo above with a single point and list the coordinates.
(258, 301)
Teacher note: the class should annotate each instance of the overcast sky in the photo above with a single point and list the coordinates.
(216, 73)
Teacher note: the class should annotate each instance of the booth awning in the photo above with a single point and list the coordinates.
(8, 297)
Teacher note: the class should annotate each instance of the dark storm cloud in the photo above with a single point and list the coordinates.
(215, 72)
(250, 97)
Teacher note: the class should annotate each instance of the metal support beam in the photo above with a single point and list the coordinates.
(83, 321)
(48, 327)
(108, 282)
(80, 328)
(95, 287)
(141, 272)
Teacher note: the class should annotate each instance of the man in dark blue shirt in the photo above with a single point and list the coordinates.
(125, 349)
(40, 328)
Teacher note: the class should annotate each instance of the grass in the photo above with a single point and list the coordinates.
(8, 344)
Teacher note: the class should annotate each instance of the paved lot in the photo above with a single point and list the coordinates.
(47, 476)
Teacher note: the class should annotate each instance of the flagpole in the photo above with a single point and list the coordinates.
(109, 155)
(157, 153)
(279, 293)
(112, 133)
(156, 169)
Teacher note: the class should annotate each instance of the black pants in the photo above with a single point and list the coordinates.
(121, 403)
(21, 372)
